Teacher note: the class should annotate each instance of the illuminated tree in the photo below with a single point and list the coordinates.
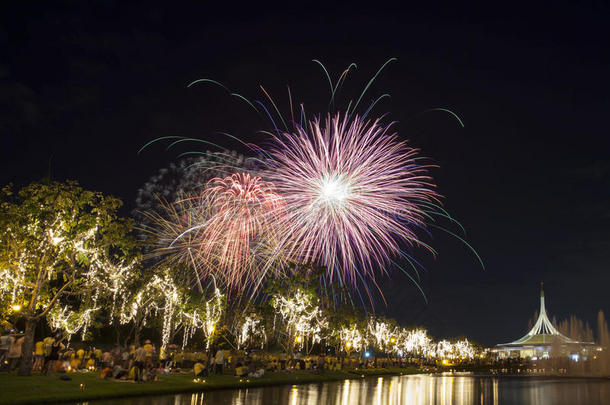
(382, 334)
(300, 320)
(60, 245)
(251, 331)
(205, 315)
(156, 296)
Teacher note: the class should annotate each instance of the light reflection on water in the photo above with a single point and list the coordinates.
(453, 389)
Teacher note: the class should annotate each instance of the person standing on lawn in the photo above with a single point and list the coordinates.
(53, 357)
(14, 352)
(5, 345)
(139, 362)
(39, 356)
(219, 360)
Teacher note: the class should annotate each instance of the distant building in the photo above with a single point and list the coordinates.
(544, 341)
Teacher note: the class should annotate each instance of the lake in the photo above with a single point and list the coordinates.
(446, 389)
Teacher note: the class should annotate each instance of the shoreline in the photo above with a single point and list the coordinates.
(40, 389)
(43, 390)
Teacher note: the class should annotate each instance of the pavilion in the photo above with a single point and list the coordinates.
(543, 339)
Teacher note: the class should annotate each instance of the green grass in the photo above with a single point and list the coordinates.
(16, 390)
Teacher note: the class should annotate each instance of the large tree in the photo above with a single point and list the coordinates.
(59, 243)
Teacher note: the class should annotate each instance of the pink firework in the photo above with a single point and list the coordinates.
(237, 239)
(353, 193)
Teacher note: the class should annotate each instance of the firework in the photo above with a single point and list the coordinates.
(229, 232)
(352, 193)
(241, 228)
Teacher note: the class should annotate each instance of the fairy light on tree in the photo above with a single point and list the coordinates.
(352, 338)
(414, 342)
(302, 321)
(71, 322)
(382, 333)
(213, 312)
(158, 295)
(251, 332)
(205, 316)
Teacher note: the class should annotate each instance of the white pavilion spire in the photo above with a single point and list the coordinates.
(542, 327)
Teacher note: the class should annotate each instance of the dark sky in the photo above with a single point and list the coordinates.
(83, 86)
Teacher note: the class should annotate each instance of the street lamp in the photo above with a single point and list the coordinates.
(16, 307)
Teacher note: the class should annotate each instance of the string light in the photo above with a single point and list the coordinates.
(301, 317)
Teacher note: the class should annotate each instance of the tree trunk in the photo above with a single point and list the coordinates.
(25, 368)
(117, 333)
(136, 334)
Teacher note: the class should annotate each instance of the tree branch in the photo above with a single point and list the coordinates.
(55, 298)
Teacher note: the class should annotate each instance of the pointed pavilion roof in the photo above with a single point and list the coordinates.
(543, 331)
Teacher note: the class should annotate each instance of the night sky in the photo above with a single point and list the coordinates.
(83, 86)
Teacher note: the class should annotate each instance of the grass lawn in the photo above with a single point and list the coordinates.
(39, 389)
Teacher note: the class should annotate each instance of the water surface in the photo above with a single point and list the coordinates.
(448, 389)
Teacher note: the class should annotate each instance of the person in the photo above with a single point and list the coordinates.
(38, 356)
(199, 369)
(53, 357)
(132, 353)
(150, 348)
(119, 372)
(14, 352)
(241, 370)
(219, 359)
(80, 355)
(90, 364)
(106, 373)
(107, 359)
(139, 362)
(134, 373)
(75, 363)
(97, 356)
(125, 359)
(257, 372)
(48, 342)
(320, 363)
(5, 345)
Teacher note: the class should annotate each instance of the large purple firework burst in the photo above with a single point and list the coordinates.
(352, 193)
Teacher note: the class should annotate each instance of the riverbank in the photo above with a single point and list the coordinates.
(39, 389)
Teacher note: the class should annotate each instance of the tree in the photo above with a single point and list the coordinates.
(59, 242)
(157, 295)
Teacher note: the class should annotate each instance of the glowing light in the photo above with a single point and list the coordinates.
(333, 189)
(16, 307)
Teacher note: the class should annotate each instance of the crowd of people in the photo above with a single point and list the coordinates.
(144, 362)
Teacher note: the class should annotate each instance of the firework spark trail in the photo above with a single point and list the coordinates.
(351, 191)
